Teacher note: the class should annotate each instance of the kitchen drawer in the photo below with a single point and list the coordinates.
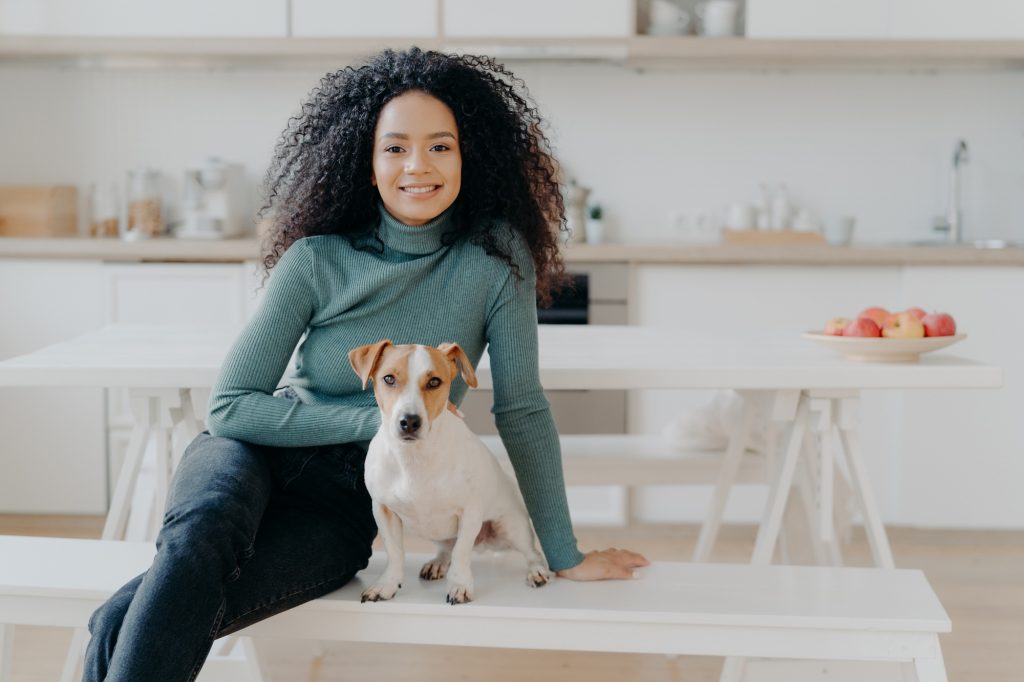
(361, 19)
(539, 18)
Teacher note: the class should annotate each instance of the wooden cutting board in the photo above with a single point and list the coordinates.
(38, 210)
(771, 237)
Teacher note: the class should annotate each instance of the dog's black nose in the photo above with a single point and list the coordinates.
(410, 423)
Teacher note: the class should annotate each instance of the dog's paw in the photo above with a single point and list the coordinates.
(459, 594)
(537, 576)
(380, 592)
(435, 569)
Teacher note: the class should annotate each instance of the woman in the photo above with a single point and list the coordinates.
(413, 198)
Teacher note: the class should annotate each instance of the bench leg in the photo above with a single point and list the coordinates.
(6, 652)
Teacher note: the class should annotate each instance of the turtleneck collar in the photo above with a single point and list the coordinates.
(413, 239)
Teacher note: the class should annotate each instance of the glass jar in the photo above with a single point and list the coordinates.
(104, 210)
(143, 213)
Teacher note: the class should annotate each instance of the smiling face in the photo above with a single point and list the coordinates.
(417, 165)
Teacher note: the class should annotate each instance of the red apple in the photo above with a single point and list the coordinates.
(904, 326)
(939, 324)
(862, 326)
(916, 312)
(876, 315)
(836, 325)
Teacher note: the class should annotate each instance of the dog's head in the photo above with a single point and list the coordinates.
(411, 382)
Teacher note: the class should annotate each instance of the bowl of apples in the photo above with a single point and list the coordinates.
(877, 335)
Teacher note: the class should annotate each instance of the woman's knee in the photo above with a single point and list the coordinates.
(105, 622)
(217, 499)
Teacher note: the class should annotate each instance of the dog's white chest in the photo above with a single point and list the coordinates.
(428, 499)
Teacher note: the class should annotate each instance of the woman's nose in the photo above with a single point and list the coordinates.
(416, 161)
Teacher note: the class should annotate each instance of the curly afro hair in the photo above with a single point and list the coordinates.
(318, 181)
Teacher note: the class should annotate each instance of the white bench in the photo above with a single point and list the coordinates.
(793, 612)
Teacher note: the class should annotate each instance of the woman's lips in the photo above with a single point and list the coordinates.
(420, 191)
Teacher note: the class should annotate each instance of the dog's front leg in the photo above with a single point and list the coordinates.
(390, 527)
(460, 575)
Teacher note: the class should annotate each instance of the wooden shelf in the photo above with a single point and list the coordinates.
(640, 51)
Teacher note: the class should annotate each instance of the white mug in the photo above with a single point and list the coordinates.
(718, 17)
(741, 216)
(664, 17)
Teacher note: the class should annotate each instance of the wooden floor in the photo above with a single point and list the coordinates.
(978, 575)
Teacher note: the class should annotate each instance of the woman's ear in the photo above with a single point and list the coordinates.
(373, 178)
(458, 356)
(365, 359)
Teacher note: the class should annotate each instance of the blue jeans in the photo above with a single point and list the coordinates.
(249, 531)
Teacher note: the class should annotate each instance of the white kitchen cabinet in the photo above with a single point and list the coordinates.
(361, 19)
(886, 19)
(539, 18)
(145, 18)
(963, 451)
(52, 440)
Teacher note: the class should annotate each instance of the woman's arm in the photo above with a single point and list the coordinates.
(242, 405)
(523, 417)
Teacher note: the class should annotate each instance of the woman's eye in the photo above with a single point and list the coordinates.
(393, 149)
(389, 379)
(440, 148)
(434, 383)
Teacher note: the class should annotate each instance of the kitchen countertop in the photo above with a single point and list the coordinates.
(238, 250)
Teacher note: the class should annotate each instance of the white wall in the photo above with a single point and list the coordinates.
(874, 145)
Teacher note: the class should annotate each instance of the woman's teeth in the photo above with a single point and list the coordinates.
(420, 190)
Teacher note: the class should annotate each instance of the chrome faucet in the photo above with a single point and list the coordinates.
(952, 224)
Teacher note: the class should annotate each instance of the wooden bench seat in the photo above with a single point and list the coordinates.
(798, 612)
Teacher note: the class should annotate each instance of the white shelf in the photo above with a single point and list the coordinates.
(681, 52)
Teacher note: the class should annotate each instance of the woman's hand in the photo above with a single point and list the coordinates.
(455, 410)
(605, 564)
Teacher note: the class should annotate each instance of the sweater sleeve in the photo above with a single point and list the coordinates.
(523, 415)
(242, 405)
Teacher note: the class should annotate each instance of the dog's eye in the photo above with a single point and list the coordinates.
(389, 379)
(434, 383)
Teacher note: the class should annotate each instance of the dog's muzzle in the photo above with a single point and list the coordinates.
(409, 426)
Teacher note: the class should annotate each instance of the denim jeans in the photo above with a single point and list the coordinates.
(249, 531)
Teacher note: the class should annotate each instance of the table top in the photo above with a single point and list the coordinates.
(571, 357)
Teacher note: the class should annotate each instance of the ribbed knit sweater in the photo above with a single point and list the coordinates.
(333, 297)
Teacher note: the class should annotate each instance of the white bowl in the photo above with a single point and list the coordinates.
(880, 349)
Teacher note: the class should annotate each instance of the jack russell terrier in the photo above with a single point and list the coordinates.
(426, 470)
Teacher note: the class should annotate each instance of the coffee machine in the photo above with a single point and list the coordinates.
(213, 200)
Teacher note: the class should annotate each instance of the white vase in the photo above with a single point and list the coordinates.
(595, 231)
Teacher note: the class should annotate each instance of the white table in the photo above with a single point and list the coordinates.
(812, 389)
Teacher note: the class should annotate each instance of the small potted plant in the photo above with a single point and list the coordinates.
(595, 224)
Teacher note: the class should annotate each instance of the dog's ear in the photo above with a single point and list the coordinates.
(455, 353)
(364, 359)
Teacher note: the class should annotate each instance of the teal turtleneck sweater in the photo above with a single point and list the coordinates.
(333, 297)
